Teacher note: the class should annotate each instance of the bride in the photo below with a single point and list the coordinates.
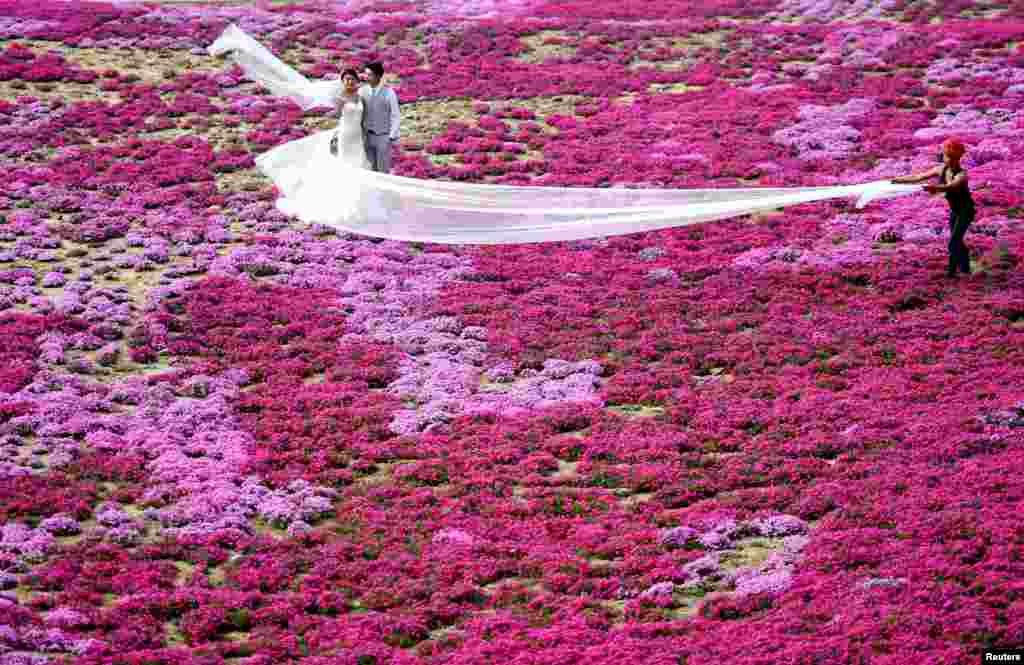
(317, 176)
(309, 172)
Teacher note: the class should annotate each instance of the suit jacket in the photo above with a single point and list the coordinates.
(382, 115)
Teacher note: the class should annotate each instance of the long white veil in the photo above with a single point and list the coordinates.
(400, 208)
(260, 65)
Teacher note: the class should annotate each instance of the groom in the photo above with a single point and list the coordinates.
(380, 124)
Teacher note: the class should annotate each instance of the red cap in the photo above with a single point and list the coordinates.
(954, 147)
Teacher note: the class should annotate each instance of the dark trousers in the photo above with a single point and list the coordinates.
(378, 151)
(959, 220)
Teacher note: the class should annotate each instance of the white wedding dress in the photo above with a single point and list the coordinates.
(342, 193)
(314, 184)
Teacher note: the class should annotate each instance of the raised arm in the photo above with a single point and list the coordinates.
(917, 177)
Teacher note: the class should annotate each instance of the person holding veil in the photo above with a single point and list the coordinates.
(953, 183)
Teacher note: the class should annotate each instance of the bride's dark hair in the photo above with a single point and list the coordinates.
(350, 72)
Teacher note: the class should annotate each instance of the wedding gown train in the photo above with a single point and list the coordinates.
(339, 191)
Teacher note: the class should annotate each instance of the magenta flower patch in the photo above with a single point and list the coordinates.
(230, 437)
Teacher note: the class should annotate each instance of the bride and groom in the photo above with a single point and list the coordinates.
(314, 175)
(369, 122)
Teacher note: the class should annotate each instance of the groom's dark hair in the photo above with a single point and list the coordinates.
(376, 67)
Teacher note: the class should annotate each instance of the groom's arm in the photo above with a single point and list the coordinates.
(395, 118)
(363, 92)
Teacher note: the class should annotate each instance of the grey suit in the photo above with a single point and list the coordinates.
(380, 125)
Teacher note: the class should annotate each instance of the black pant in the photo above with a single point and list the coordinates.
(959, 220)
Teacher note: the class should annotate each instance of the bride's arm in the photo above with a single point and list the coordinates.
(332, 98)
(325, 93)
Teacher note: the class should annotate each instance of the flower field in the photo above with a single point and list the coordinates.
(230, 437)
